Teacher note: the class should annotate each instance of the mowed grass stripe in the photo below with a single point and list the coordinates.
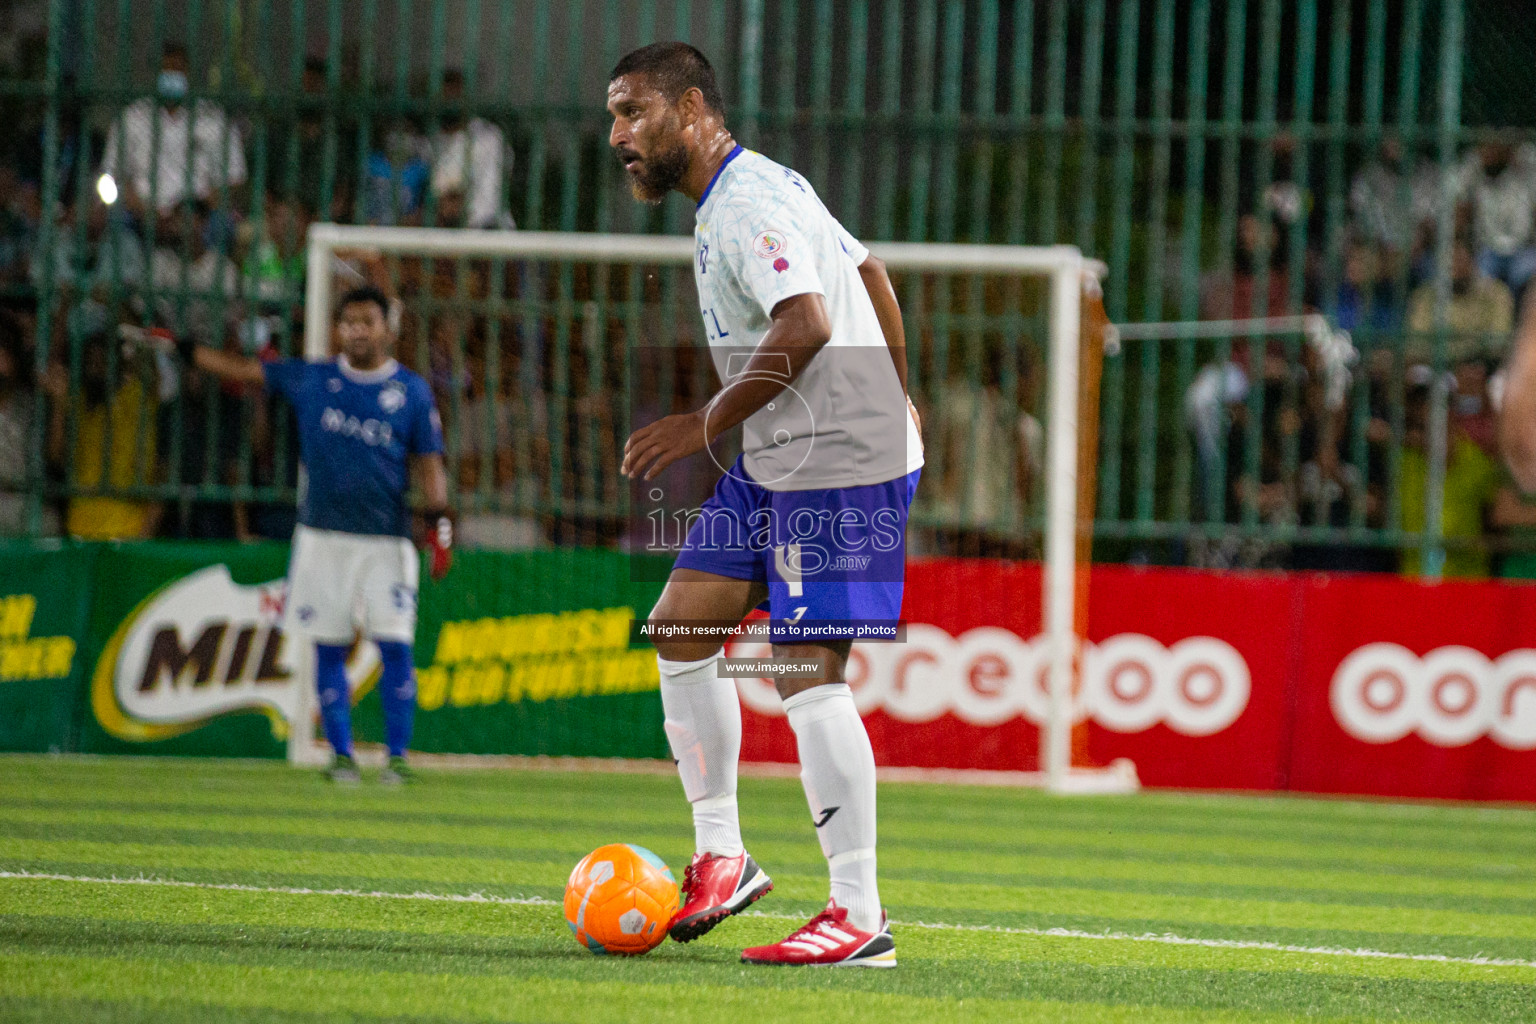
(33, 773)
(1066, 908)
(164, 1011)
(51, 1010)
(1312, 885)
(482, 840)
(899, 833)
(1014, 968)
(468, 998)
(1051, 972)
(963, 808)
(798, 908)
(898, 892)
(321, 907)
(972, 815)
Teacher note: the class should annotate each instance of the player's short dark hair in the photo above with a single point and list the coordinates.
(675, 68)
(364, 293)
(174, 49)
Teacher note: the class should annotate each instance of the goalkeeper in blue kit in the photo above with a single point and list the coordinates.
(365, 423)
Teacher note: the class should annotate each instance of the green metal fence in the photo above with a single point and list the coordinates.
(1207, 150)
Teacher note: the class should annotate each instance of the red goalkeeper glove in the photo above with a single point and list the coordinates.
(439, 543)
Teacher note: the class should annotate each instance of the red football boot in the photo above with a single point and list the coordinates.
(828, 940)
(714, 888)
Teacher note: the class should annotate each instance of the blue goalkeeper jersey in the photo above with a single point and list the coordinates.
(357, 431)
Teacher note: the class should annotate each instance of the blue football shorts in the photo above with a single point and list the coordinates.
(834, 560)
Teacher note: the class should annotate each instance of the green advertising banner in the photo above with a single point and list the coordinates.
(44, 602)
(529, 653)
(177, 648)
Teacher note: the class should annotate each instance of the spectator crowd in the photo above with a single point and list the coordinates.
(176, 236)
(1366, 455)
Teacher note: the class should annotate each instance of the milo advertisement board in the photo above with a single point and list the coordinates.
(189, 654)
(179, 648)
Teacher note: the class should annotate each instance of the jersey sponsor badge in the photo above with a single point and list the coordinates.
(781, 264)
(769, 245)
(392, 396)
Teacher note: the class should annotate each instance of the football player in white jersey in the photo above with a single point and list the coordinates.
(807, 338)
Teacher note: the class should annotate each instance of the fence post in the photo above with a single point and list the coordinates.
(45, 245)
(1432, 559)
(751, 69)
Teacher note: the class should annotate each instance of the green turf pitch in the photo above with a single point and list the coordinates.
(300, 903)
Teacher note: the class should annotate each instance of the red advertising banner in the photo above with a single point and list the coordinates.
(1415, 690)
(1340, 684)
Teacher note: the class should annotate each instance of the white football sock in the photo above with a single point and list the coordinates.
(703, 722)
(837, 768)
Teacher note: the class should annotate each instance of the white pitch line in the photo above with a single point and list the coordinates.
(1165, 938)
(436, 897)
(1169, 939)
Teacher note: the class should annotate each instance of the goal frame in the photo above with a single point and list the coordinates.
(1064, 265)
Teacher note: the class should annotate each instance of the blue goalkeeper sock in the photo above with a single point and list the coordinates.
(397, 691)
(335, 700)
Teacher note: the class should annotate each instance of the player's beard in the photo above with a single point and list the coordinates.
(660, 174)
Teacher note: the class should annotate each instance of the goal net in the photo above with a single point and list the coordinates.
(545, 349)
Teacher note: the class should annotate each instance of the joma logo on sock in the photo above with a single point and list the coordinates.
(826, 816)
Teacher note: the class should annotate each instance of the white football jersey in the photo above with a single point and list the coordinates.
(763, 236)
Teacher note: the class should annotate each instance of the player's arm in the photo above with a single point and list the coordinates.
(228, 366)
(800, 327)
(224, 365)
(1517, 418)
(888, 311)
(433, 476)
(882, 294)
(425, 444)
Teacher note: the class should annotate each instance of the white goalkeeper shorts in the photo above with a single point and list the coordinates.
(340, 583)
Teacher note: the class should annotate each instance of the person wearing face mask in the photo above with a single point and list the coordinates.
(150, 142)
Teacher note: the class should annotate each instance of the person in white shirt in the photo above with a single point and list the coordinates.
(470, 161)
(1499, 179)
(147, 150)
(1392, 196)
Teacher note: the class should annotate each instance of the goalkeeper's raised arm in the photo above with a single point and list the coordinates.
(223, 365)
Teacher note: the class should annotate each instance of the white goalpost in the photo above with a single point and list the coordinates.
(1064, 268)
